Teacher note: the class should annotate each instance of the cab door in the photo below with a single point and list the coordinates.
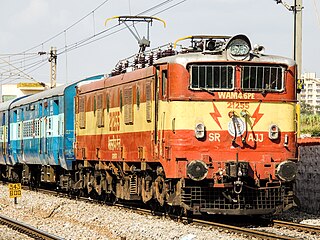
(161, 96)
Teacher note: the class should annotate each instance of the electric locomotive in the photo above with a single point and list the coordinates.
(209, 129)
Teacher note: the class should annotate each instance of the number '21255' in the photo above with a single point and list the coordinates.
(238, 105)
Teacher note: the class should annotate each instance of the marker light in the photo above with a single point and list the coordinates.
(199, 130)
(273, 132)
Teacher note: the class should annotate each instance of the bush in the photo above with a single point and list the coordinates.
(310, 124)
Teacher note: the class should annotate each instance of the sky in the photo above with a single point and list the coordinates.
(31, 26)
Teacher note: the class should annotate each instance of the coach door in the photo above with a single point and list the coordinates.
(160, 113)
(43, 131)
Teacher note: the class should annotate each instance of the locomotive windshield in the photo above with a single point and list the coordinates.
(265, 78)
(212, 77)
(222, 77)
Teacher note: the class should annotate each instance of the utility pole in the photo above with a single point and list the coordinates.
(298, 36)
(53, 72)
(297, 33)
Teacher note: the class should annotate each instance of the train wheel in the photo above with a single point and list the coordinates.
(146, 189)
(174, 212)
(160, 190)
(154, 206)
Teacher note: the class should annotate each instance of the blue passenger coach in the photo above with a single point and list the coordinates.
(38, 135)
(5, 132)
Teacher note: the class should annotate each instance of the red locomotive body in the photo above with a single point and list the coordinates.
(211, 129)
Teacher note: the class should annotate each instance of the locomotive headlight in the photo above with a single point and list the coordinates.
(273, 132)
(197, 170)
(287, 171)
(199, 130)
(239, 47)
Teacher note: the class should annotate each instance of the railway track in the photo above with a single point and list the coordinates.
(27, 229)
(243, 231)
(246, 232)
(297, 227)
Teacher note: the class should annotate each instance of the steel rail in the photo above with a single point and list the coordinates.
(27, 229)
(297, 226)
(240, 230)
(243, 231)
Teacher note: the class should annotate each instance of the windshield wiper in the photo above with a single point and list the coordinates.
(207, 90)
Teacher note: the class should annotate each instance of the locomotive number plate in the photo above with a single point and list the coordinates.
(238, 105)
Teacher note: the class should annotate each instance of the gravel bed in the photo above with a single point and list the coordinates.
(73, 219)
(296, 216)
(8, 233)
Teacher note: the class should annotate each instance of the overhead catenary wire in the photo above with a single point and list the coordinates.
(20, 71)
(29, 64)
(42, 44)
(68, 28)
(87, 41)
(18, 76)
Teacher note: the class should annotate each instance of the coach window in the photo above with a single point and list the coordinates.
(148, 102)
(164, 82)
(128, 103)
(120, 100)
(15, 116)
(82, 114)
(108, 103)
(100, 122)
(21, 114)
(138, 97)
(40, 109)
(94, 105)
(56, 107)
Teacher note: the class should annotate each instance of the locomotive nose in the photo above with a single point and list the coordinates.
(197, 170)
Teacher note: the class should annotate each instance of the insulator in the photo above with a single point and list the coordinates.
(159, 54)
(126, 63)
(142, 60)
(150, 59)
(119, 68)
(154, 57)
(168, 52)
(136, 61)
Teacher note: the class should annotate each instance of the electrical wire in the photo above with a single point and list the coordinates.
(41, 63)
(86, 41)
(68, 28)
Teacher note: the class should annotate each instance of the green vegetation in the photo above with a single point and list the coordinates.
(310, 122)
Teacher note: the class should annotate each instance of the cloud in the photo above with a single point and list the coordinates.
(34, 12)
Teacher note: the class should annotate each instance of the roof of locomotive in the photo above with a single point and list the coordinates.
(54, 92)
(238, 48)
(89, 86)
(193, 57)
(203, 48)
